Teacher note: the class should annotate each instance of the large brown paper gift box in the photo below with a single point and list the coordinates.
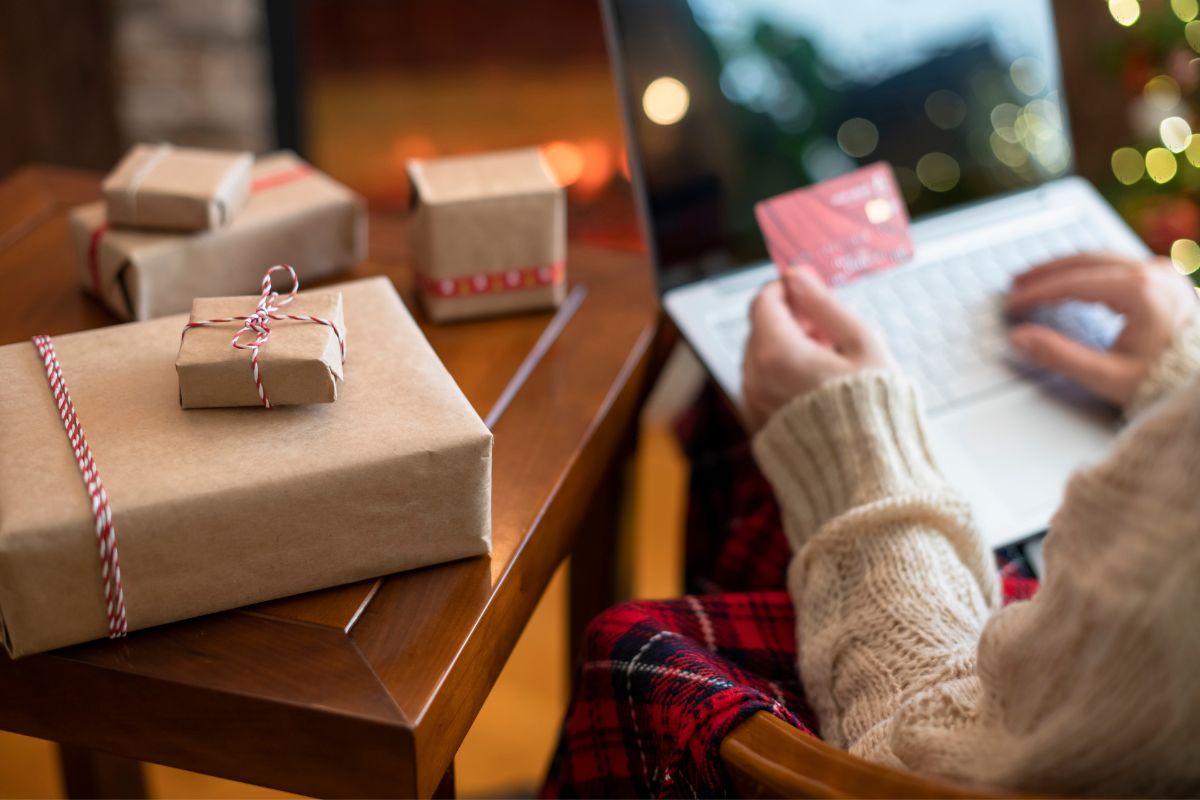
(488, 234)
(177, 188)
(300, 363)
(218, 508)
(295, 215)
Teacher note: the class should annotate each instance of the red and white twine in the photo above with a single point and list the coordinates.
(106, 532)
(259, 324)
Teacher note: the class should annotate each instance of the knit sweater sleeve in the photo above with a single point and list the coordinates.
(902, 652)
(891, 582)
(1178, 365)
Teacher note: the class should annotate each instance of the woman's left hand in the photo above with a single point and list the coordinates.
(800, 337)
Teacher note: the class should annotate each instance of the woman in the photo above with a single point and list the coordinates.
(904, 655)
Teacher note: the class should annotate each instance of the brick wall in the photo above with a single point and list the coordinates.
(193, 72)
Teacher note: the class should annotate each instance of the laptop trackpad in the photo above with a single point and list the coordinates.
(1012, 454)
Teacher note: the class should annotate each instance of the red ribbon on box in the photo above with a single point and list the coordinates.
(106, 529)
(505, 280)
(265, 183)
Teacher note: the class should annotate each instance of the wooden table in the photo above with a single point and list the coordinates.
(366, 689)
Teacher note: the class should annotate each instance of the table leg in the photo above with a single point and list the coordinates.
(593, 569)
(446, 790)
(594, 574)
(88, 773)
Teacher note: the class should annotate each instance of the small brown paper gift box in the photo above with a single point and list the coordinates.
(295, 215)
(300, 363)
(488, 234)
(177, 188)
(218, 508)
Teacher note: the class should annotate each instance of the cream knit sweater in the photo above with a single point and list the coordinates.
(1092, 687)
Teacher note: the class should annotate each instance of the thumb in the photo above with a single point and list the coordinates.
(771, 317)
(1107, 374)
(810, 299)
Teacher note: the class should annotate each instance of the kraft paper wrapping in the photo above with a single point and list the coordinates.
(218, 508)
(177, 188)
(485, 215)
(301, 362)
(295, 215)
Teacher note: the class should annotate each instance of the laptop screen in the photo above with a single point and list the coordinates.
(729, 102)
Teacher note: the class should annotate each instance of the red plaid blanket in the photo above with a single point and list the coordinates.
(663, 683)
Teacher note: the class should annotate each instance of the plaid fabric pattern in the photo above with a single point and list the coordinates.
(735, 539)
(663, 683)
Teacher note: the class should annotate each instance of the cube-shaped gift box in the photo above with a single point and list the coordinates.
(488, 234)
(176, 513)
(289, 354)
(177, 188)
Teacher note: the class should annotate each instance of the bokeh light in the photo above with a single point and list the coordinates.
(1126, 12)
(565, 160)
(1185, 255)
(1175, 133)
(1028, 75)
(938, 172)
(1186, 10)
(1128, 166)
(666, 100)
(1161, 165)
(1162, 92)
(1004, 120)
(1191, 32)
(1010, 153)
(946, 109)
(857, 137)
(597, 168)
(1192, 151)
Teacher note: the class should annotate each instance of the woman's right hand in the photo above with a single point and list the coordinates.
(1154, 298)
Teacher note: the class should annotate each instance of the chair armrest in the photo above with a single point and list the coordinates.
(766, 757)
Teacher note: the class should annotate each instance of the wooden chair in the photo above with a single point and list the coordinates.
(766, 757)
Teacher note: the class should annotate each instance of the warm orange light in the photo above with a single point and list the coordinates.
(623, 163)
(666, 100)
(411, 145)
(597, 166)
(565, 160)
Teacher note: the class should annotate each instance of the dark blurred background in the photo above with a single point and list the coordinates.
(359, 86)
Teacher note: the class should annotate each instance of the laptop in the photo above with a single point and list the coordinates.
(729, 102)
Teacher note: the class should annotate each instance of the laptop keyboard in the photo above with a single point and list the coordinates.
(944, 322)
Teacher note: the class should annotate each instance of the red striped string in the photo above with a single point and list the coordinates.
(506, 280)
(259, 324)
(290, 175)
(106, 532)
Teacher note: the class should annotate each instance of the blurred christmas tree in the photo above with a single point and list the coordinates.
(1157, 178)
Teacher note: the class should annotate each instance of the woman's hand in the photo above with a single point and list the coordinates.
(800, 337)
(1155, 299)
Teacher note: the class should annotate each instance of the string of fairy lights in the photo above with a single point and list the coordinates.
(1163, 104)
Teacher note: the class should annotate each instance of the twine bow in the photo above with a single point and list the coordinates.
(258, 324)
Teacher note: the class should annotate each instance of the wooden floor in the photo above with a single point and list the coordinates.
(507, 750)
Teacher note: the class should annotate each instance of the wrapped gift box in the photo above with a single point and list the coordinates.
(488, 234)
(177, 188)
(300, 363)
(218, 508)
(295, 215)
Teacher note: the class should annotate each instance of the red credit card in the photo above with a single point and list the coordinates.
(844, 228)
